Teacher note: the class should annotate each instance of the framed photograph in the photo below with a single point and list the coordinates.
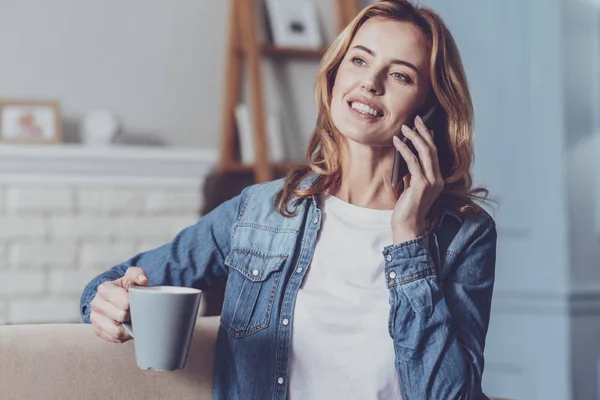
(30, 121)
(294, 23)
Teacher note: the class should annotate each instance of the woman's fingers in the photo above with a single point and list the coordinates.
(427, 154)
(105, 307)
(414, 168)
(103, 335)
(136, 275)
(425, 132)
(110, 307)
(108, 329)
(114, 293)
(428, 135)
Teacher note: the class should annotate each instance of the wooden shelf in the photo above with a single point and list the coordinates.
(245, 53)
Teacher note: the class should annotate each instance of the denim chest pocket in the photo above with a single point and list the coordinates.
(251, 288)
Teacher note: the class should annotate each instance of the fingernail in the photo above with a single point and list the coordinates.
(141, 279)
(396, 140)
(405, 128)
(419, 119)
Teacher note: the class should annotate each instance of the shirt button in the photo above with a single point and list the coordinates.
(286, 321)
(299, 270)
(392, 275)
(388, 257)
(316, 220)
(280, 380)
(255, 272)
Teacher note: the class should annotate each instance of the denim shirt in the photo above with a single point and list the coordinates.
(440, 290)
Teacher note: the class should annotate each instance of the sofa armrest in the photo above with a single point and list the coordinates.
(68, 361)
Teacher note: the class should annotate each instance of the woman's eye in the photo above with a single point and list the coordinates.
(402, 77)
(358, 61)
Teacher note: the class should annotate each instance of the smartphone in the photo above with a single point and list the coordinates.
(400, 168)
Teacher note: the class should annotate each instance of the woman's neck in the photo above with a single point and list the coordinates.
(366, 174)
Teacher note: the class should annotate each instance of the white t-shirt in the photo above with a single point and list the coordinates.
(341, 348)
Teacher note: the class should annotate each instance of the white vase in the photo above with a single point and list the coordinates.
(99, 128)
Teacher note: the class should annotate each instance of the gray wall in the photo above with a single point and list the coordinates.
(158, 64)
(582, 133)
(534, 72)
(512, 52)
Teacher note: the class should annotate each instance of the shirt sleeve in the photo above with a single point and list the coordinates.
(195, 257)
(439, 335)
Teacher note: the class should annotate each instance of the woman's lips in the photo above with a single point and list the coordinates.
(362, 116)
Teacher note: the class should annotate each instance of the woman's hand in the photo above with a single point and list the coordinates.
(422, 185)
(110, 306)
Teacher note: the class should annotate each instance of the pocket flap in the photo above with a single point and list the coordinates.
(255, 266)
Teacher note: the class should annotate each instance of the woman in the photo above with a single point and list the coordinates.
(339, 285)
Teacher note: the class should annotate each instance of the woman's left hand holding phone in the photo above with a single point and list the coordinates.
(422, 185)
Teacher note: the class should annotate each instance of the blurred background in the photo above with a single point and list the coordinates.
(120, 126)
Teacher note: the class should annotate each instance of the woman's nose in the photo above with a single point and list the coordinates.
(372, 84)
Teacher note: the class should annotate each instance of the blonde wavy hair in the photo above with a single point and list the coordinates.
(452, 122)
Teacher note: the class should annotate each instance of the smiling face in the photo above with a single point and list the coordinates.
(382, 81)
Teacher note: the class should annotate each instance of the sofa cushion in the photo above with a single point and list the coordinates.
(68, 361)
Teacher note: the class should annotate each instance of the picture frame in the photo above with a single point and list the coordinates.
(30, 121)
(294, 23)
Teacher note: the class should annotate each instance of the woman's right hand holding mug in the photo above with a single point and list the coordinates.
(110, 306)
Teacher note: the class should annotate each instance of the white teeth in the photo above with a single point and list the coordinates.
(363, 108)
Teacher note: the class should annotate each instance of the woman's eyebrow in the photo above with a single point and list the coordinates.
(394, 61)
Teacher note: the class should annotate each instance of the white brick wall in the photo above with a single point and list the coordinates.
(55, 239)
(110, 201)
(71, 282)
(104, 255)
(47, 309)
(3, 312)
(79, 227)
(22, 282)
(1, 200)
(39, 254)
(38, 199)
(22, 227)
(162, 227)
(173, 202)
(3, 256)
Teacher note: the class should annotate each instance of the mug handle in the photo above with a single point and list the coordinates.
(128, 328)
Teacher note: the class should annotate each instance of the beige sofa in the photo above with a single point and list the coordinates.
(69, 362)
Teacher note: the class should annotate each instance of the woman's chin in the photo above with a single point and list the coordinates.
(367, 138)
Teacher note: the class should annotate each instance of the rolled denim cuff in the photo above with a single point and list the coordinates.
(408, 261)
(85, 309)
